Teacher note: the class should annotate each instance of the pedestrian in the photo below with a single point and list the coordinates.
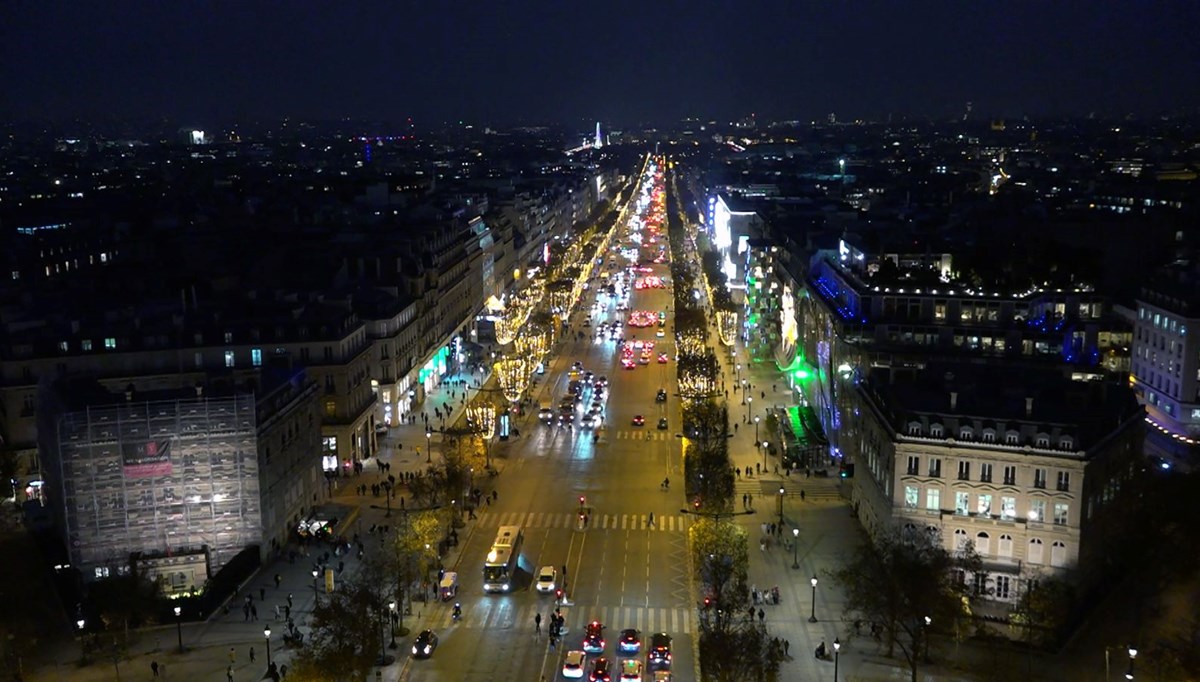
(564, 567)
(253, 612)
(278, 580)
(232, 657)
(801, 495)
(761, 616)
(154, 668)
(262, 594)
(283, 670)
(277, 612)
(289, 600)
(651, 518)
(537, 624)
(229, 674)
(287, 612)
(786, 645)
(251, 654)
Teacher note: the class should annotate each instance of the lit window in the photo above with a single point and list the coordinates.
(229, 358)
(910, 497)
(1060, 513)
(933, 499)
(110, 343)
(86, 344)
(256, 357)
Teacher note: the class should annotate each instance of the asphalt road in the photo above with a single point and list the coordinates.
(620, 570)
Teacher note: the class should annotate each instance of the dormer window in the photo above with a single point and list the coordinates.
(1043, 440)
(1012, 438)
(989, 435)
(1066, 443)
(964, 433)
(935, 430)
(914, 429)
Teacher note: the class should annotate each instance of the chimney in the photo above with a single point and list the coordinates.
(1029, 407)
(953, 400)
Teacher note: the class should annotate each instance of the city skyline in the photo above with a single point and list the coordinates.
(614, 62)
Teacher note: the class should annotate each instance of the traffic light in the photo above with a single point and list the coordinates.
(558, 595)
(582, 499)
(847, 470)
(696, 504)
(707, 602)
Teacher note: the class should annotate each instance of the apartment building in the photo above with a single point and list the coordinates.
(1028, 466)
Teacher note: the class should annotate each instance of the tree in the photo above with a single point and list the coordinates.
(722, 560)
(415, 555)
(1044, 610)
(905, 581)
(742, 651)
(346, 635)
(124, 601)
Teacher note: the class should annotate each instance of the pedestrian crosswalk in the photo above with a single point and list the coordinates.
(814, 489)
(570, 520)
(647, 434)
(498, 612)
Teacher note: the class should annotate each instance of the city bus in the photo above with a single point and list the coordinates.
(501, 563)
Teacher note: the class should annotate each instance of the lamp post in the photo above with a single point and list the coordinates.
(743, 391)
(925, 634)
(428, 446)
(749, 399)
(837, 647)
(795, 547)
(392, 614)
(781, 493)
(387, 492)
(1132, 655)
(267, 637)
(179, 627)
(316, 594)
(812, 615)
(756, 420)
(79, 625)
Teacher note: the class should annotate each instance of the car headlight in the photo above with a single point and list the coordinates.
(415, 650)
(505, 587)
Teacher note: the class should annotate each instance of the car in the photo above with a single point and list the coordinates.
(661, 396)
(547, 579)
(628, 364)
(631, 670)
(662, 423)
(658, 653)
(424, 644)
(660, 333)
(593, 637)
(639, 420)
(662, 358)
(381, 429)
(600, 671)
(644, 359)
(630, 642)
(573, 663)
(545, 414)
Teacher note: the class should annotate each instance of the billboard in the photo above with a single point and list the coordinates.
(146, 459)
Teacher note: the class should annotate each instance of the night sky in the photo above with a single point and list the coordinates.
(620, 61)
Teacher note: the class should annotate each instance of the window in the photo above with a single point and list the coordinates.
(330, 408)
(1064, 480)
(989, 436)
(110, 343)
(933, 499)
(964, 470)
(198, 359)
(964, 433)
(229, 358)
(980, 585)
(328, 353)
(1060, 513)
(960, 539)
(256, 357)
(1008, 508)
(962, 503)
(1012, 438)
(1004, 546)
(985, 473)
(1043, 441)
(910, 497)
(86, 344)
(1034, 555)
(914, 429)
(985, 505)
(914, 465)
(1003, 587)
(935, 430)
(228, 337)
(1039, 478)
(1058, 554)
(982, 543)
(64, 346)
(935, 467)
(1010, 475)
(1037, 510)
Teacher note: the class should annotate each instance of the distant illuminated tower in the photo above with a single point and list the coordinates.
(599, 140)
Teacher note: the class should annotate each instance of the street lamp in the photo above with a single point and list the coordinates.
(82, 644)
(749, 399)
(267, 636)
(781, 493)
(925, 632)
(837, 647)
(316, 594)
(392, 611)
(428, 446)
(812, 615)
(743, 391)
(1132, 655)
(795, 545)
(756, 420)
(179, 627)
